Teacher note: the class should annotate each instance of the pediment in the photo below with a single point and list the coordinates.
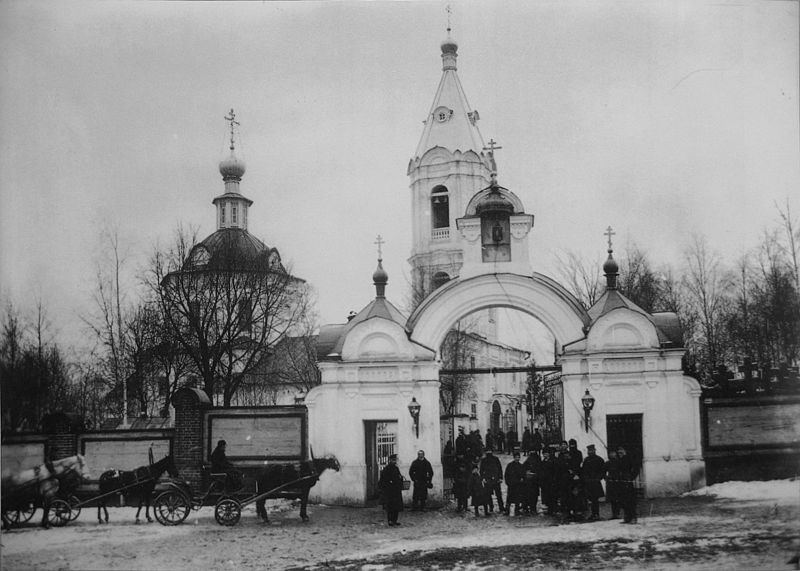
(622, 329)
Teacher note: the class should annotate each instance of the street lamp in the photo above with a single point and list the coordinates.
(587, 401)
(414, 408)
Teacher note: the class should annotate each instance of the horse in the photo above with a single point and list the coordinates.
(278, 475)
(41, 483)
(139, 481)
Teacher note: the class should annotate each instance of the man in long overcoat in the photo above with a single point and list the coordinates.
(594, 470)
(532, 466)
(421, 473)
(492, 472)
(391, 487)
(515, 480)
(627, 474)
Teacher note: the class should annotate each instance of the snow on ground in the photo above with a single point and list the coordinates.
(776, 490)
(735, 525)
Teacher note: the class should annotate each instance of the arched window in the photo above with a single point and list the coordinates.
(439, 279)
(440, 207)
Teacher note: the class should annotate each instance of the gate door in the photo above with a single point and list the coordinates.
(626, 430)
(381, 441)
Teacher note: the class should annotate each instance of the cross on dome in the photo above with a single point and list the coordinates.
(380, 242)
(492, 148)
(231, 117)
(609, 233)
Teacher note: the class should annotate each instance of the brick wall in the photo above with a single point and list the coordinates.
(188, 436)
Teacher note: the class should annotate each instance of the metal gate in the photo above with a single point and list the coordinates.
(553, 407)
(381, 442)
(626, 430)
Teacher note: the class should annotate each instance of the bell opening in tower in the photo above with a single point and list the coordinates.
(440, 208)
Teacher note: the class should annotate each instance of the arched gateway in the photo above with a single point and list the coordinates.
(379, 391)
(536, 295)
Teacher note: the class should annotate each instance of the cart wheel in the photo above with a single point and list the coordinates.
(10, 518)
(26, 512)
(59, 513)
(74, 508)
(227, 512)
(171, 508)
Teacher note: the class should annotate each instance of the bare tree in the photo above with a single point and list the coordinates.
(227, 309)
(582, 277)
(791, 230)
(707, 286)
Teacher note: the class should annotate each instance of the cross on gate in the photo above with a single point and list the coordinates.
(609, 233)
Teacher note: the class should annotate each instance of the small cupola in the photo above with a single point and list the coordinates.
(610, 267)
(232, 206)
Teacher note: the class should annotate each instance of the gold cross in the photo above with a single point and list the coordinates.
(379, 241)
(609, 233)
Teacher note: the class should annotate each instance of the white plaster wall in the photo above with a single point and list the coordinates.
(337, 412)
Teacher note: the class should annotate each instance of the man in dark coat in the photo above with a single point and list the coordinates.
(536, 440)
(421, 473)
(526, 441)
(492, 472)
(461, 443)
(613, 483)
(501, 440)
(594, 470)
(515, 480)
(461, 483)
(532, 466)
(221, 465)
(547, 482)
(576, 456)
(391, 487)
(511, 441)
(627, 474)
(480, 494)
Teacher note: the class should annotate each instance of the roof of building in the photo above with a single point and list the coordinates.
(457, 129)
(233, 248)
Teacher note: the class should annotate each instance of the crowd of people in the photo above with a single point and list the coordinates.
(556, 479)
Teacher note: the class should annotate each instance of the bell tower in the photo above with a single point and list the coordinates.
(448, 168)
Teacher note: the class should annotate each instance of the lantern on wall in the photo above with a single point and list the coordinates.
(587, 400)
(414, 408)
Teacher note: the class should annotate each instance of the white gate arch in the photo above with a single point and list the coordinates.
(537, 295)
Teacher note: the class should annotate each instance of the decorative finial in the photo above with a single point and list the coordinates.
(449, 12)
(609, 233)
(231, 117)
(380, 278)
(610, 267)
(492, 148)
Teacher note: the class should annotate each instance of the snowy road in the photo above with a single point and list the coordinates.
(747, 526)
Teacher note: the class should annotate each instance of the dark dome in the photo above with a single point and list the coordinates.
(449, 46)
(231, 249)
(494, 203)
(610, 266)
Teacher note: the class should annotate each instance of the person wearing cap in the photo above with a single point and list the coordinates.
(421, 473)
(627, 474)
(515, 480)
(613, 483)
(391, 487)
(594, 470)
(576, 456)
(492, 472)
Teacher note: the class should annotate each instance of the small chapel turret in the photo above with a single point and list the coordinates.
(232, 206)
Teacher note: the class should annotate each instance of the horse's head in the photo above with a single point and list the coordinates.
(326, 463)
(170, 466)
(73, 464)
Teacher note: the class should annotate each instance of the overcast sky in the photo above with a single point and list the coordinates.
(658, 118)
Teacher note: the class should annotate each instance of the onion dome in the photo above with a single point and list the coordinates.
(611, 270)
(494, 203)
(232, 168)
(380, 278)
(449, 46)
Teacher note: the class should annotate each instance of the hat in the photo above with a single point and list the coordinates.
(392, 456)
(572, 441)
(516, 454)
(590, 447)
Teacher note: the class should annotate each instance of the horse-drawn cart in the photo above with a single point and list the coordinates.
(173, 506)
(50, 487)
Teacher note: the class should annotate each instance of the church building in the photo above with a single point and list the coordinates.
(621, 380)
